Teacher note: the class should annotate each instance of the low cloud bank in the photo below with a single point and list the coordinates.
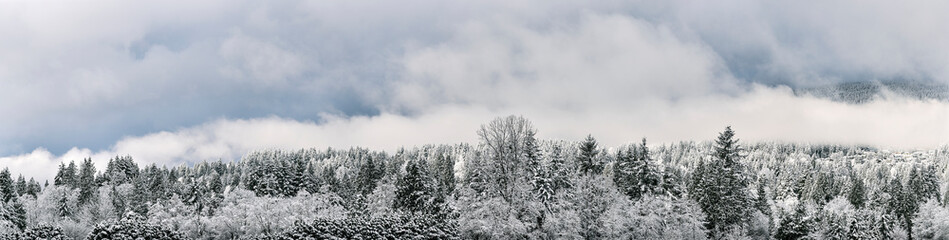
(764, 114)
(665, 76)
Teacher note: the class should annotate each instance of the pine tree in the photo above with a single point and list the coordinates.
(903, 205)
(60, 178)
(63, 207)
(367, 177)
(671, 182)
(21, 186)
(413, 190)
(33, 187)
(559, 172)
(794, 226)
(623, 173)
(635, 174)
(587, 160)
(15, 213)
(924, 184)
(761, 203)
(70, 175)
(857, 195)
(721, 187)
(648, 175)
(444, 174)
(87, 181)
(532, 162)
(7, 189)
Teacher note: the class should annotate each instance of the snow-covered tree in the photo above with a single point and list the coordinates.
(932, 222)
(588, 160)
(414, 190)
(86, 181)
(635, 174)
(7, 187)
(721, 187)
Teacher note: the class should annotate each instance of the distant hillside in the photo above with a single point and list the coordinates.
(862, 92)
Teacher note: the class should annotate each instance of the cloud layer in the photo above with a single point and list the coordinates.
(179, 82)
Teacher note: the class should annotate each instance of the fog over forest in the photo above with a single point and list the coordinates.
(511, 185)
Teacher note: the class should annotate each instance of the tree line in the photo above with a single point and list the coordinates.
(511, 185)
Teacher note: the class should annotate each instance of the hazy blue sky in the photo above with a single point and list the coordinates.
(179, 81)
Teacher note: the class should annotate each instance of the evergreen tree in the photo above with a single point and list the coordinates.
(13, 212)
(635, 174)
(70, 175)
(60, 178)
(903, 205)
(367, 176)
(21, 186)
(623, 174)
(722, 186)
(413, 190)
(559, 172)
(924, 184)
(794, 226)
(7, 189)
(671, 182)
(87, 181)
(587, 160)
(857, 195)
(532, 158)
(444, 174)
(761, 203)
(33, 187)
(64, 208)
(121, 170)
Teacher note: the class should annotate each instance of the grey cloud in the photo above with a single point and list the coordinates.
(90, 75)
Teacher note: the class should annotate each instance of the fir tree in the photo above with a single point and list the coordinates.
(623, 174)
(903, 205)
(857, 195)
(7, 188)
(587, 160)
(532, 162)
(60, 178)
(413, 190)
(87, 181)
(761, 203)
(70, 175)
(794, 226)
(559, 172)
(33, 187)
(635, 174)
(15, 213)
(21, 185)
(924, 184)
(721, 187)
(444, 174)
(367, 176)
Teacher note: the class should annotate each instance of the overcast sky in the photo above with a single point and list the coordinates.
(172, 82)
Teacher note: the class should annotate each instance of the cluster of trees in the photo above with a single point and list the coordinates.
(510, 186)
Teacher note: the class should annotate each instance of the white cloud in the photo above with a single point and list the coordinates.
(669, 71)
(602, 60)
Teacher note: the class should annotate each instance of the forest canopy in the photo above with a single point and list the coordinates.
(511, 185)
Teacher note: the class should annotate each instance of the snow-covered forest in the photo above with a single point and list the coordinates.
(511, 185)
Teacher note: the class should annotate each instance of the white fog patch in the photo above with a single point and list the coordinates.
(762, 114)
